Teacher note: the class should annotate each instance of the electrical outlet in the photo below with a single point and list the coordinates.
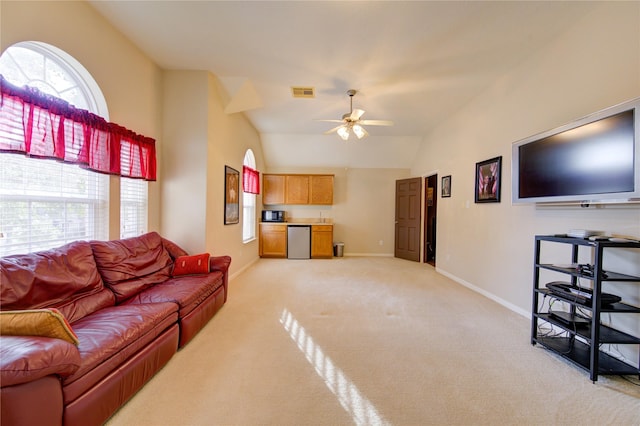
(381, 242)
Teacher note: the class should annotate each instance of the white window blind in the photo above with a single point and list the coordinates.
(248, 217)
(44, 204)
(133, 207)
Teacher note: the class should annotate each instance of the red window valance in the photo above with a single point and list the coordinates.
(43, 126)
(250, 180)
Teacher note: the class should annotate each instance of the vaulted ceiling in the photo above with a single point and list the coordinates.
(414, 63)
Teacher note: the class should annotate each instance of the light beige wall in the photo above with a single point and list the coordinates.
(184, 158)
(363, 210)
(199, 140)
(129, 80)
(593, 65)
(229, 137)
(368, 209)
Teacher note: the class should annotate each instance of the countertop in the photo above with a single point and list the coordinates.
(299, 222)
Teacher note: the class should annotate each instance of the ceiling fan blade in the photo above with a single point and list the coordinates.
(377, 122)
(335, 129)
(356, 114)
(330, 121)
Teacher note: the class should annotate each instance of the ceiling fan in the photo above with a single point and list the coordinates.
(351, 122)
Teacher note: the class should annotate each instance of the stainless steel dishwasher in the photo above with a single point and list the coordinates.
(299, 241)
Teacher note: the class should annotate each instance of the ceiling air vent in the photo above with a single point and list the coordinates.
(303, 92)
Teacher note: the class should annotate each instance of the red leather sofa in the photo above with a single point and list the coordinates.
(129, 308)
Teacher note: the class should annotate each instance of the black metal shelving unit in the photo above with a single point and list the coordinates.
(580, 343)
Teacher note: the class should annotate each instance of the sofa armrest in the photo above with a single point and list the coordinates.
(175, 251)
(28, 358)
(221, 263)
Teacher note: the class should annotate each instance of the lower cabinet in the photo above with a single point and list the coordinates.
(273, 240)
(321, 241)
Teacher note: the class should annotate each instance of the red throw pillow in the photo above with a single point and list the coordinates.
(191, 265)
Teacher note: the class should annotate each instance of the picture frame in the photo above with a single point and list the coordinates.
(231, 196)
(446, 186)
(488, 180)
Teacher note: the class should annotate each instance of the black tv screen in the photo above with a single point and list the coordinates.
(592, 159)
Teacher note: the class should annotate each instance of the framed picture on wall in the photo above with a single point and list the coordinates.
(488, 177)
(231, 196)
(446, 186)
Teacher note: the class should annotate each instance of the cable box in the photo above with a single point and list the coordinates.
(579, 294)
(582, 233)
(569, 318)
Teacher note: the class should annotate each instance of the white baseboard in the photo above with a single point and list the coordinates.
(485, 293)
(368, 254)
(244, 268)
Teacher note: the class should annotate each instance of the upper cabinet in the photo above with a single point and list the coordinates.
(297, 189)
(321, 189)
(273, 189)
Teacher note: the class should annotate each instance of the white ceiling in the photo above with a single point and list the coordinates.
(412, 62)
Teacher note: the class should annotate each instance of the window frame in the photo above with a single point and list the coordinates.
(249, 204)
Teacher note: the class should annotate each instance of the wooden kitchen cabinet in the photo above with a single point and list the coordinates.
(321, 189)
(273, 189)
(273, 240)
(321, 241)
(297, 189)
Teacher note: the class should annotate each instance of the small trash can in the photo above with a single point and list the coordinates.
(338, 249)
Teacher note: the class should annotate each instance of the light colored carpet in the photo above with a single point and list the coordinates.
(370, 341)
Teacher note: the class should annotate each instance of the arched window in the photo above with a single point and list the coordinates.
(45, 203)
(249, 204)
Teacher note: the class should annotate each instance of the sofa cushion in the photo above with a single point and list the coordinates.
(25, 359)
(130, 265)
(65, 278)
(37, 322)
(112, 335)
(187, 291)
(191, 265)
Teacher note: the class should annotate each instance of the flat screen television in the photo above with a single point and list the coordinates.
(595, 159)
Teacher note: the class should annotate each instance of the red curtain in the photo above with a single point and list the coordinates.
(40, 125)
(250, 180)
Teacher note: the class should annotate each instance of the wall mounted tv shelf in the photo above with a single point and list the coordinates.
(580, 341)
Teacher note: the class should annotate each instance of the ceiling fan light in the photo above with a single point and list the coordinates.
(359, 131)
(343, 132)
